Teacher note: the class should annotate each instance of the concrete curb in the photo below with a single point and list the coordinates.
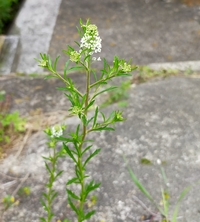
(182, 66)
(8, 48)
(35, 23)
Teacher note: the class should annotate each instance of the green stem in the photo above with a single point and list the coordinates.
(65, 81)
(51, 181)
(80, 163)
(101, 80)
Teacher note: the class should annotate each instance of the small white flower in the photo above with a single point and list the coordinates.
(56, 131)
(99, 59)
(91, 40)
(158, 161)
(94, 58)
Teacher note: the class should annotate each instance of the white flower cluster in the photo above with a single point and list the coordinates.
(91, 41)
(56, 131)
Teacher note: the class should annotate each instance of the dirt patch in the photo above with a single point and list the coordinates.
(191, 2)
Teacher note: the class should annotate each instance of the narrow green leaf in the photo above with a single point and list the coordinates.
(95, 75)
(90, 120)
(69, 152)
(77, 42)
(43, 204)
(103, 128)
(88, 141)
(164, 175)
(45, 196)
(65, 69)
(48, 185)
(95, 116)
(75, 68)
(89, 214)
(139, 185)
(42, 219)
(52, 192)
(64, 139)
(55, 63)
(103, 83)
(104, 63)
(78, 173)
(90, 187)
(45, 158)
(86, 57)
(72, 206)
(54, 196)
(84, 120)
(74, 152)
(71, 99)
(182, 195)
(103, 72)
(65, 51)
(90, 104)
(50, 62)
(87, 148)
(92, 155)
(72, 194)
(77, 130)
(71, 48)
(104, 118)
(47, 167)
(59, 173)
(73, 180)
(105, 90)
(165, 203)
(83, 100)
(123, 74)
(79, 31)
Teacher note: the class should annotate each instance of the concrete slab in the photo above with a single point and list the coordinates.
(163, 123)
(34, 24)
(151, 31)
(148, 31)
(7, 53)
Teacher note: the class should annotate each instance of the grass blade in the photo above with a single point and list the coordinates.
(182, 195)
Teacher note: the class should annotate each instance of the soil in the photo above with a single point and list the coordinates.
(191, 2)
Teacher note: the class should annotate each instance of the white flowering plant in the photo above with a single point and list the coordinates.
(76, 145)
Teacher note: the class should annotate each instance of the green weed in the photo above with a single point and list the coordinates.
(164, 205)
(11, 124)
(145, 73)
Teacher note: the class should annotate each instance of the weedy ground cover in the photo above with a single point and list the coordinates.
(145, 73)
(164, 206)
(11, 124)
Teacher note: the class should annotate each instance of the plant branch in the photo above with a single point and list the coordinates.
(64, 80)
(80, 164)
